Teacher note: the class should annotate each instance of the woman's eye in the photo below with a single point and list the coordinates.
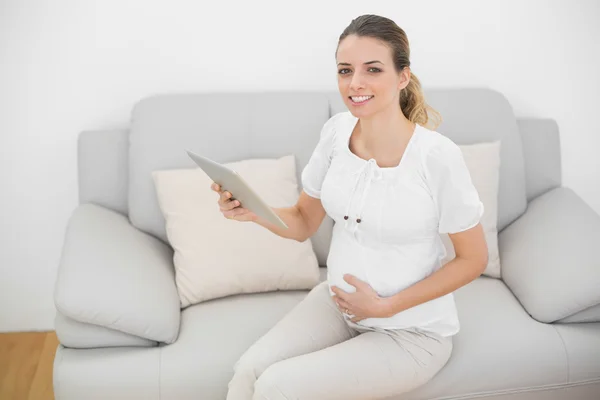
(343, 71)
(374, 69)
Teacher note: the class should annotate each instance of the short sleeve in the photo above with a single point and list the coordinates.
(456, 199)
(316, 169)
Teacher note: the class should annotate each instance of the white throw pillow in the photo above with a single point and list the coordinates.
(483, 163)
(216, 257)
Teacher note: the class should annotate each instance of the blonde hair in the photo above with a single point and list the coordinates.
(414, 107)
(412, 99)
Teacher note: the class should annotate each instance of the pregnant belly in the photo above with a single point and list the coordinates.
(388, 270)
(345, 257)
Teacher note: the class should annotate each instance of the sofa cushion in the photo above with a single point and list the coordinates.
(483, 163)
(550, 257)
(224, 127)
(582, 348)
(499, 348)
(75, 334)
(214, 334)
(113, 275)
(217, 257)
(500, 353)
(590, 314)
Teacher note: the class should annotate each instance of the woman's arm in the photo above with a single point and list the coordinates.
(470, 262)
(303, 219)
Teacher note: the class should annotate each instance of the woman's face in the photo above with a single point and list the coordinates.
(367, 79)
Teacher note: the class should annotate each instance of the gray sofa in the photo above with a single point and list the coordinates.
(534, 334)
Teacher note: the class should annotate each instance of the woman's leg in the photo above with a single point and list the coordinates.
(376, 364)
(314, 324)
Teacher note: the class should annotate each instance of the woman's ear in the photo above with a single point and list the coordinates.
(404, 78)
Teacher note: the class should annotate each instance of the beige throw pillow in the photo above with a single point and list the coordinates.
(217, 257)
(483, 163)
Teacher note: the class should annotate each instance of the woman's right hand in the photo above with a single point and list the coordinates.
(232, 209)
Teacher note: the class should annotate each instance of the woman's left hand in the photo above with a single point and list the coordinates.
(363, 303)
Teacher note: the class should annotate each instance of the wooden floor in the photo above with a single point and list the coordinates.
(26, 365)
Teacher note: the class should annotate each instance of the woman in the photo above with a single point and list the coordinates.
(382, 323)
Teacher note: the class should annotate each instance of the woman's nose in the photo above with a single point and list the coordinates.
(356, 83)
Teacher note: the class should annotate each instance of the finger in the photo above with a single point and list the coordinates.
(230, 205)
(225, 197)
(354, 281)
(222, 201)
(339, 292)
(237, 212)
(342, 304)
(338, 300)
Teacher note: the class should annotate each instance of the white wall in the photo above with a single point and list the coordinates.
(74, 65)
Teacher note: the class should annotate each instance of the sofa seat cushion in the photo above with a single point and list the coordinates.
(500, 353)
(582, 348)
(214, 334)
(498, 349)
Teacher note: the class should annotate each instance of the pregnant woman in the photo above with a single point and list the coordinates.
(382, 323)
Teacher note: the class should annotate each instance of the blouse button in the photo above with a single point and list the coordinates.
(358, 220)
(345, 217)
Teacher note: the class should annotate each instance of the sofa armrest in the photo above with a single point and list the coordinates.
(550, 256)
(113, 275)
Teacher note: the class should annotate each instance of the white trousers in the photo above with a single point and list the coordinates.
(313, 353)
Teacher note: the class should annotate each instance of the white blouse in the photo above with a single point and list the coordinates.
(388, 220)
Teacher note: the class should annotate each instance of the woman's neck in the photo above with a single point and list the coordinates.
(386, 129)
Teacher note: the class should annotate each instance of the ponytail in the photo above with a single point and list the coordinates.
(414, 108)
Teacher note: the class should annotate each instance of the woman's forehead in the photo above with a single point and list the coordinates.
(354, 49)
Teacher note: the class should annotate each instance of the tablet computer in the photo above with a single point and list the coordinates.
(232, 182)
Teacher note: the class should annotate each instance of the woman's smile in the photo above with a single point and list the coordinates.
(360, 100)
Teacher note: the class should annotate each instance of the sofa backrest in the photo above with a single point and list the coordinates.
(115, 167)
(225, 127)
(483, 115)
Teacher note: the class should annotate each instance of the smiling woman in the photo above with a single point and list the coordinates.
(373, 64)
(382, 324)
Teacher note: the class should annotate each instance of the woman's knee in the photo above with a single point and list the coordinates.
(271, 384)
(249, 365)
(321, 290)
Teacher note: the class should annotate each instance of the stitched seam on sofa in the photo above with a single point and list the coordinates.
(566, 354)
(281, 393)
(477, 395)
(160, 351)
